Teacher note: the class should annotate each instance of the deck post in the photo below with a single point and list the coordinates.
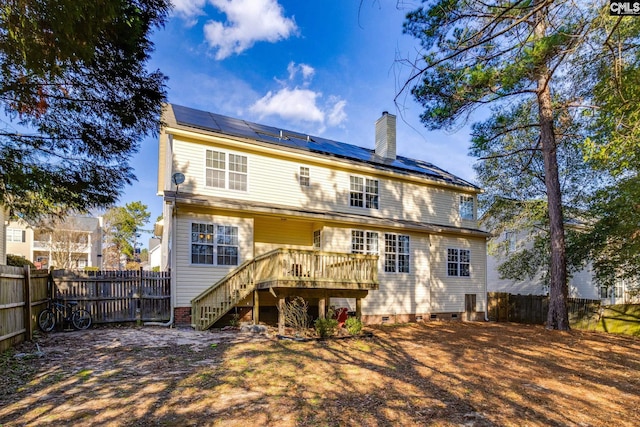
(322, 307)
(256, 307)
(359, 308)
(281, 308)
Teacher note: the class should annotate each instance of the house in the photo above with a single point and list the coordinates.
(4, 219)
(254, 215)
(581, 283)
(155, 254)
(72, 243)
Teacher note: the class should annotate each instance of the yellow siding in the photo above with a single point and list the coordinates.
(399, 293)
(193, 279)
(275, 180)
(274, 233)
(447, 293)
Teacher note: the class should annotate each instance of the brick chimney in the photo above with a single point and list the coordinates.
(386, 136)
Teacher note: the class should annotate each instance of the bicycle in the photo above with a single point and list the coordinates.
(79, 318)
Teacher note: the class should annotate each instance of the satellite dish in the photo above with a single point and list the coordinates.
(177, 178)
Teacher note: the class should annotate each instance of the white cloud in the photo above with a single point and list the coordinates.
(307, 71)
(301, 105)
(188, 10)
(248, 22)
(292, 104)
(336, 115)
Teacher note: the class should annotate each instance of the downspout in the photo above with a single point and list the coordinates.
(172, 286)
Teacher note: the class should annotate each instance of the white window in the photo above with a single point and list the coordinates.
(317, 240)
(617, 290)
(214, 244)
(216, 167)
(364, 242)
(604, 292)
(363, 192)
(458, 262)
(223, 174)
(237, 172)
(466, 207)
(305, 177)
(396, 253)
(15, 235)
(510, 238)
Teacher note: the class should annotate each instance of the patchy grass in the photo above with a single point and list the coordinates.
(441, 374)
(615, 319)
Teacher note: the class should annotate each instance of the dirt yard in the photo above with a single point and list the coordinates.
(443, 374)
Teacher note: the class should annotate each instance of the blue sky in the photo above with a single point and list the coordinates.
(327, 68)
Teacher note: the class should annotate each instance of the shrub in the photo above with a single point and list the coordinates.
(326, 327)
(235, 320)
(353, 325)
(18, 261)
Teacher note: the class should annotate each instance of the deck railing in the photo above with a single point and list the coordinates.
(284, 268)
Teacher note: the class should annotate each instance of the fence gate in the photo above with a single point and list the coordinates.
(117, 296)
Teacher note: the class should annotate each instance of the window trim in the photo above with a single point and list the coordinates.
(397, 254)
(463, 209)
(12, 232)
(228, 172)
(458, 263)
(317, 243)
(511, 238)
(214, 244)
(366, 199)
(304, 175)
(367, 238)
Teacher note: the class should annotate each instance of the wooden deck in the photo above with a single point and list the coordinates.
(285, 272)
(317, 270)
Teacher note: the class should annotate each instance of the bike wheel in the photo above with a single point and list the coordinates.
(81, 319)
(47, 320)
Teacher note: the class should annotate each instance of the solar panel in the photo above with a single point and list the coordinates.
(186, 116)
(195, 118)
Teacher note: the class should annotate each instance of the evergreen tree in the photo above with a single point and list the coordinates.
(527, 61)
(77, 99)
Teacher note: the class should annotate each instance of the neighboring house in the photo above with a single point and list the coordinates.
(266, 214)
(4, 220)
(581, 283)
(155, 253)
(73, 243)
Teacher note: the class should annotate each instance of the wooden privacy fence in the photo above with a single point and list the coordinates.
(23, 294)
(117, 296)
(533, 309)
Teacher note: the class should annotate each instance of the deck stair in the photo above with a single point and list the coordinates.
(283, 268)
